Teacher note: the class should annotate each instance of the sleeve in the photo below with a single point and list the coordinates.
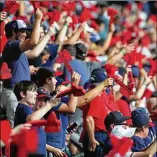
(14, 51)
(94, 108)
(27, 111)
(139, 145)
(53, 109)
(93, 65)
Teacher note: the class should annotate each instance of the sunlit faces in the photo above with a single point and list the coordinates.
(53, 83)
(45, 58)
(30, 97)
(40, 102)
(21, 35)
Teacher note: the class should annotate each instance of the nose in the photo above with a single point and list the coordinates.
(36, 93)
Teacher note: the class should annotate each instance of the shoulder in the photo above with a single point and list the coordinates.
(25, 108)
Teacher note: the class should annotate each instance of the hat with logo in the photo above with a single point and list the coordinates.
(98, 75)
(140, 117)
(43, 93)
(16, 25)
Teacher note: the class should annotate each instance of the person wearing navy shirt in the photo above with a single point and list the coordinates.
(78, 65)
(146, 131)
(26, 93)
(47, 82)
(17, 60)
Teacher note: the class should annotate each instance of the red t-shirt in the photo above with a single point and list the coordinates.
(98, 110)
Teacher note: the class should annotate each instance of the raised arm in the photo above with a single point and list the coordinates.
(118, 56)
(138, 95)
(62, 33)
(91, 94)
(35, 52)
(70, 107)
(34, 39)
(73, 39)
(37, 115)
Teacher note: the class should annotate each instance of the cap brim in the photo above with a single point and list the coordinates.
(151, 124)
(27, 29)
(43, 96)
(122, 119)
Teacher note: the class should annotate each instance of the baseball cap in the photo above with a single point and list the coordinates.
(43, 93)
(140, 117)
(16, 25)
(98, 75)
(115, 117)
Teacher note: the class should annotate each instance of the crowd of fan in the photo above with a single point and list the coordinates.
(97, 102)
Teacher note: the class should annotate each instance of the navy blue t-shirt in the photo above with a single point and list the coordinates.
(21, 113)
(141, 144)
(57, 139)
(81, 68)
(18, 63)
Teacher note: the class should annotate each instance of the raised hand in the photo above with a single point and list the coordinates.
(148, 80)
(128, 69)
(52, 30)
(108, 82)
(129, 48)
(68, 20)
(3, 15)
(38, 14)
(75, 78)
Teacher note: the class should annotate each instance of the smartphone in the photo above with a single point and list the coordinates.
(71, 127)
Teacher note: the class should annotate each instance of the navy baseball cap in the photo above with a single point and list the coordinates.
(140, 117)
(16, 25)
(43, 93)
(115, 117)
(98, 75)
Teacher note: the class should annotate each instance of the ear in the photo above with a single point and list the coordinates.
(47, 80)
(112, 126)
(13, 32)
(23, 95)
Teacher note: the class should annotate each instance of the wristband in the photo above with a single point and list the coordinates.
(66, 24)
(123, 52)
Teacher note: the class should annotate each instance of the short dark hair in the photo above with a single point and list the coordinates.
(24, 86)
(8, 31)
(43, 74)
(81, 51)
(70, 48)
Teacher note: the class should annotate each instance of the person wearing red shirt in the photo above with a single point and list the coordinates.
(94, 134)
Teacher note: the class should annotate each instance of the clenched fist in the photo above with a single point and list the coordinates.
(108, 82)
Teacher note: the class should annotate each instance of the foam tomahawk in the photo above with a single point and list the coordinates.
(10, 8)
(124, 90)
(65, 57)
